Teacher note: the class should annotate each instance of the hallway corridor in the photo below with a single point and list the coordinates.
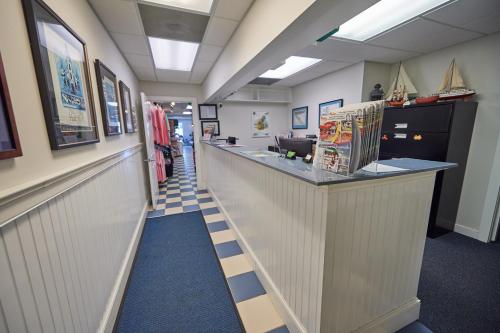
(155, 295)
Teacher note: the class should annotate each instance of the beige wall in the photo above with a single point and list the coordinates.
(479, 64)
(38, 161)
(236, 120)
(346, 83)
(375, 72)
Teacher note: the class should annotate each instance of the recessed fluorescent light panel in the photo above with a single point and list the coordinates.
(202, 6)
(291, 66)
(172, 54)
(383, 16)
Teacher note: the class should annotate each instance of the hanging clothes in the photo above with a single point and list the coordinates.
(156, 126)
(160, 166)
(162, 118)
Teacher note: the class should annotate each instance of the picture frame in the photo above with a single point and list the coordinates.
(207, 111)
(261, 124)
(207, 125)
(108, 98)
(300, 117)
(127, 111)
(63, 75)
(337, 103)
(10, 145)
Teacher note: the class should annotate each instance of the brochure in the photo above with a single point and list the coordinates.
(349, 137)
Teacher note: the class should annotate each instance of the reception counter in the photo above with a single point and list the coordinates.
(335, 253)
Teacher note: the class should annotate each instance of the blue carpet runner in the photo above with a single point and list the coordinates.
(176, 284)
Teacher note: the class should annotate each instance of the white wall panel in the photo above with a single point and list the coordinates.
(337, 258)
(282, 221)
(61, 260)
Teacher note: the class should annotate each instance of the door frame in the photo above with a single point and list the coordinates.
(196, 131)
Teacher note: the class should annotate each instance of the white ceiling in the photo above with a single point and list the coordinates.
(454, 23)
(123, 21)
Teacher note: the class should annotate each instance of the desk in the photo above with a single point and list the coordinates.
(336, 253)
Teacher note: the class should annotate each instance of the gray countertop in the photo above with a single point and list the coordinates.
(306, 172)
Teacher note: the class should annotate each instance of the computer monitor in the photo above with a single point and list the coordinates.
(300, 146)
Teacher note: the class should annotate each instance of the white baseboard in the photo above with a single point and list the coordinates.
(394, 320)
(466, 231)
(114, 301)
(293, 323)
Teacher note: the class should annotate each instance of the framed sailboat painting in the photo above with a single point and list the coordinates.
(63, 76)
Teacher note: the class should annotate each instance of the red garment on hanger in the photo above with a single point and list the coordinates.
(156, 125)
(161, 173)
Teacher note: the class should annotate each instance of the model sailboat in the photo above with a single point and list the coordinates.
(453, 85)
(400, 88)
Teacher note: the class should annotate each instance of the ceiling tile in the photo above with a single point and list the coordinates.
(200, 71)
(476, 15)
(232, 9)
(209, 53)
(219, 31)
(173, 24)
(347, 51)
(145, 73)
(421, 35)
(131, 43)
(136, 60)
(166, 75)
(118, 16)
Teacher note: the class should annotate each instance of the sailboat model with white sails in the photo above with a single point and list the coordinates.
(400, 88)
(453, 85)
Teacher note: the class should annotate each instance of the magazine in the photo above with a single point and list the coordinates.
(349, 137)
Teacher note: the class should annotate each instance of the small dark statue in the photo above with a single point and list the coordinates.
(377, 93)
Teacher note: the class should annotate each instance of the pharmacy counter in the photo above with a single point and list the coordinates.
(335, 253)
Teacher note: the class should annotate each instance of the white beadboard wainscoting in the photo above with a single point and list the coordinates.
(67, 245)
(338, 258)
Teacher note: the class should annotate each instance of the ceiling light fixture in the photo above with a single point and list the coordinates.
(187, 112)
(383, 16)
(291, 66)
(202, 6)
(172, 54)
(189, 107)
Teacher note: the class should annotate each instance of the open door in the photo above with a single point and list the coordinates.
(150, 150)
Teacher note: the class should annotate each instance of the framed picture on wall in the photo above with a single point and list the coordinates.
(324, 107)
(127, 113)
(260, 124)
(9, 139)
(63, 76)
(210, 127)
(207, 111)
(108, 97)
(299, 118)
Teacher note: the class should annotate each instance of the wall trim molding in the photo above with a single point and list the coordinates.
(394, 320)
(292, 322)
(114, 302)
(466, 231)
(16, 202)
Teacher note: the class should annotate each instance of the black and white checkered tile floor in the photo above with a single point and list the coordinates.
(180, 194)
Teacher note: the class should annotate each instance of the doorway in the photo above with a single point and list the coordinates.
(179, 112)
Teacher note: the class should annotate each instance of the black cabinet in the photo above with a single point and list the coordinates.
(437, 132)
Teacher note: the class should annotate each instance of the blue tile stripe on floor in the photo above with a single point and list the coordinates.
(181, 188)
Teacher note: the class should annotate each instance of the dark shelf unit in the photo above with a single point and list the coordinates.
(438, 132)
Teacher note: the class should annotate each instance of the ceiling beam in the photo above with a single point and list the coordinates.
(269, 33)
